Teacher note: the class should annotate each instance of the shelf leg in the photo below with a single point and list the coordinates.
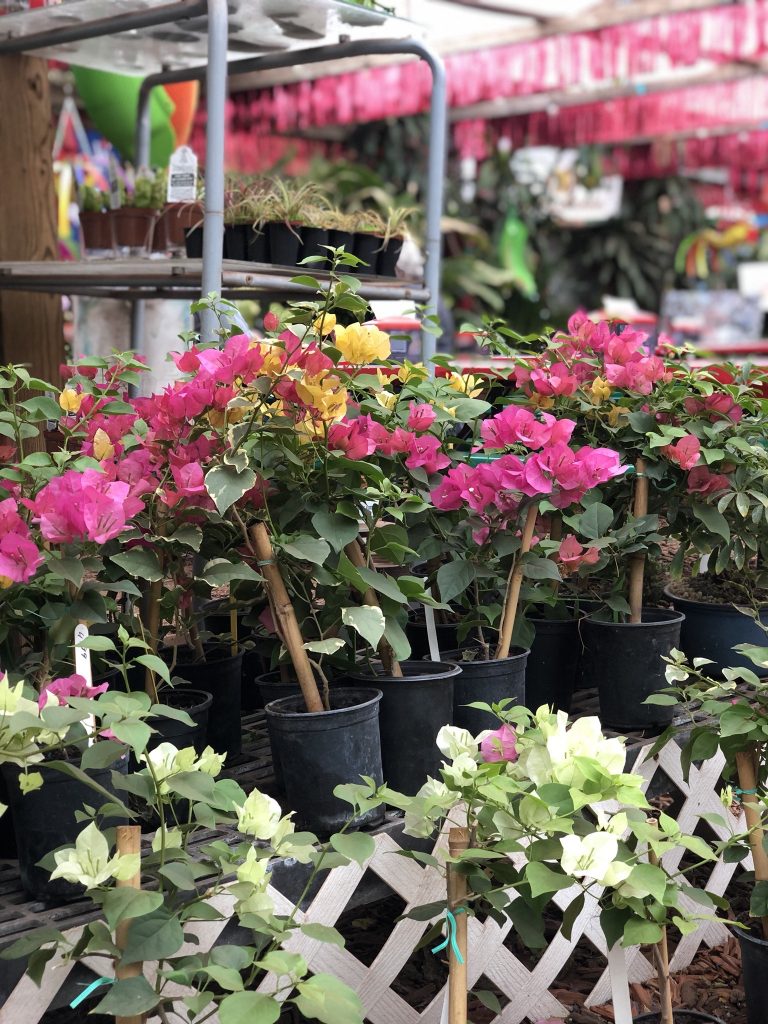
(438, 136)
(216, 96)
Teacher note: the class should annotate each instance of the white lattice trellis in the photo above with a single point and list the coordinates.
(528, 990)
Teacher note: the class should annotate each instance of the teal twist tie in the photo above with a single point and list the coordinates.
(745, 792)
(91, 988)
(450, 938)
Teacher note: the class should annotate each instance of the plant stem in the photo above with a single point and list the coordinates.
(637, 563)
(387, 655)
(512, 596)
(746, 766)
(661, 958)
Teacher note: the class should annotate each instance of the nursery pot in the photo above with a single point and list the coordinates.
(96, 231)
(413, 710)
(193, 243)
(284, 243)
(367, 250)
(680, 1016)
(172, 223)
(338, 238)
(416, 632)
(236, 241)
(389, 256)
(321, 750)
(490, 682)
(197, 704)
(624, 661)
(133, 227)
(44, 820)
(754, 970)
(713, 630)
(553, 665)
(220, 676)
(313, 241)
(257, 247)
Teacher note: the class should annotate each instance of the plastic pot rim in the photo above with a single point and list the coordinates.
(274, 708)
(205, 699)
(454, 657)
(443, 670)
(655, 1015)
(661, 617)
(714, 606)
(743, 933)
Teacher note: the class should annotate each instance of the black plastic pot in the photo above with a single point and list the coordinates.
(197, 704)
(413, 710)
(553, 665)
(236, 241)
(319, 751)
(389, 256)
(338, 239)
(416, 631)
(313, 240)
(193, 243)
(624, 661)
(713, 630)
(490, 682)
(44, 821)
(367, 250)
(221, 676)
(754, 971)
(257, 246)
(284, 243)
(681, 1016)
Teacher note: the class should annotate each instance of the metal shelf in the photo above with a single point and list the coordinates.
(182, 278)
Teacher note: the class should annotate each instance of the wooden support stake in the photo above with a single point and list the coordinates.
(746, 766)
(458, 840)
(128, 842)
(233, 630)
(637, 564)
(285, 617)
(512, 597)
(387, 655)
(661, 957)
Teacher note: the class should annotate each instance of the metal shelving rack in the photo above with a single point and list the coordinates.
(205, 40)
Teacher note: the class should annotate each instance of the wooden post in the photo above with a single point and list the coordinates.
(458, 840)
(387, 655)
(128, 842)
(233, 630)
(661, 956)
(285, 617)
(746, 766)
(30, 323)
(512, 596)
(637, 564)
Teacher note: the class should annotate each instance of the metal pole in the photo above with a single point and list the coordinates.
(216, 96)
(137, 324)
(438, 141)
(143, 142)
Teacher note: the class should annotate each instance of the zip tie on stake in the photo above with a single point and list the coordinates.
(451, 936)
(91, 988)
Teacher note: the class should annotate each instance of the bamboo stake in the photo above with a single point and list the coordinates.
(661, 957)
(746, 766)
(512, 597)
(458, 840)
(637, 564)
(387, 655)
(285, 617)
(233, 630)
(128, 842)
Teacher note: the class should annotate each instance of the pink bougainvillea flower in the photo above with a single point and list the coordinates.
(499, 745)
(87, 505)
(69, 686)
(572, 554)
(426, 453)
(420, 417)
(271, 321)
(717, 406)
(702, 481)
(555, 379)
(352, 437)
(684, 452)
(187, 362)
(19, 557)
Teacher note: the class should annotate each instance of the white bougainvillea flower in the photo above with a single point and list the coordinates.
(253, 869)
(430, 803)
(261, 816)
(88, 863)
(210, 762)
(589, 856)
(453, 741)
(462, 771)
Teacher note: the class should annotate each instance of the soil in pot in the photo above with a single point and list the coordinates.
(681, 1016)
(96, 233)
(313, 242)
(553, 665)
(712, 629)
(366, 249)
(389, 256)
(133, 228)
(754, 971)
(486, 681)
(221, 676)
(257, 246)
(44, 821)
(193, 243)
(413, 710)
(322, 750)
(284, 243)
(236, 241)
(624, 660)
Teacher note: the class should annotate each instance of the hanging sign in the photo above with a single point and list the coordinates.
(182, 176)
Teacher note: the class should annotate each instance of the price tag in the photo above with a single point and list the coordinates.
(83, 655)
(182, 176)
(115, 201)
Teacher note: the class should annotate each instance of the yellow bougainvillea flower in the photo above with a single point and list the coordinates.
(324, 394)
(541, 401)
(466, 384)
(386, 400)
(325, 324)
(102, 446)
(274, 357)
(5, 582)
(363, 343)
(615, 413)
(217, 418)
(411, 372)
(450, 409)
(70, 400)
(600, 390)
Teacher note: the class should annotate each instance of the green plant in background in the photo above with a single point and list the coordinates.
(91, 199)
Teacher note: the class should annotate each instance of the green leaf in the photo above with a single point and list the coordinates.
(328, 1000)
(758, 903)
(324, 933)
(193, 786)
(488, 999)
(714, 521)
(157, 665)
(356, 846)
(228, 978)
(179, 874)
(640, 933)
(383, 584)
(308, 549)
(537, 568)
(651, 879)
(96, 643)
(570, 914)
(368, 622)
(135, 734)
(226, 486)
(218, 572)
(121, 904)
(324, 646)
(596, 521)
(128, 998)
(140, 562)
(101, 755)
(248, 1008)
(338, 530)
(453, 578)
(191, 536)
(70, 569)
(543, 879)
(153, 937)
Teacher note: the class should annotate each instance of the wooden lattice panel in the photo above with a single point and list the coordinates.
(527, 988)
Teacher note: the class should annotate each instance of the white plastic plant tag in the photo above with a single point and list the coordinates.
(182, 176)
(115, 202)
(429, 617)
(83, 668)
(617, 966)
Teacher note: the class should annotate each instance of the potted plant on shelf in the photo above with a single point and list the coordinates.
(134, 220)
(369, 231)
(285, 212)
(395, 233)
(95, 222)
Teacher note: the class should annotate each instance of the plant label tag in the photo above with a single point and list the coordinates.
(82, 654)
(114, 184)
(182, 176)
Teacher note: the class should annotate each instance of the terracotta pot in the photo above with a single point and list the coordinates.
(133, 227)
(170, 226)
(96, 231)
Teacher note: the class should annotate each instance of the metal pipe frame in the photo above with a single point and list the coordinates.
(178, 11)
(438, 135)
